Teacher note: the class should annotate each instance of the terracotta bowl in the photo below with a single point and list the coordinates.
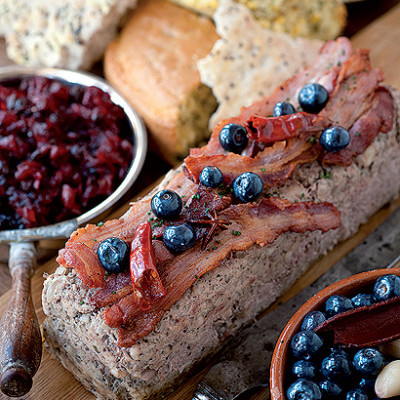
(346, 287)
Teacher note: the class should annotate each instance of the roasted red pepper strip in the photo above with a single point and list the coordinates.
(274, 129)
(147, 285)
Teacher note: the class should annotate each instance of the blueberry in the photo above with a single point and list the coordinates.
(338, 350)
(335, 366)
(368, 361)
(334, 138)
(356, 394)
(233, 137)
(211, 177)
(114, 255)
(387, 286)
(304, 369)
(313, 98)
(248, 187)
(312, 320)
(179, 238)
(305, 345)
(166, 204)
(337, 304)
(363, 299)
(367, 385)
(303, 389)
(329, 388)
(283, 108)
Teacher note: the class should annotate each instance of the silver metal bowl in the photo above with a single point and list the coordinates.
(65, 228)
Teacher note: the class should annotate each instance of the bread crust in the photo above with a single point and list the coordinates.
(226, 298)
(153, 64)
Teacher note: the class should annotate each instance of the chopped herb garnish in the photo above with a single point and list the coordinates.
(302, 195)
(100, 223)
(183, 195)
(149, 213)
(357, 133)
(81, 301)
(236, 233)
(214, 248)
(346, 86)
(312, 139)
(113, 292)
(179, 186)
(328, 175)
(196, 277)
(196, 196)
(94, 240)
(263, 169)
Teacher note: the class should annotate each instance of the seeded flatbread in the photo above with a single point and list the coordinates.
(249, 61)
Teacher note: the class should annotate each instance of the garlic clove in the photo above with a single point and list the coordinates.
(387, 383)
(392, 348)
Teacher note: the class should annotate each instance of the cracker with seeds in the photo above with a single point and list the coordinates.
(249, 61)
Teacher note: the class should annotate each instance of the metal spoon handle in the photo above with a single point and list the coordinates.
(20, 338)
(205, 392)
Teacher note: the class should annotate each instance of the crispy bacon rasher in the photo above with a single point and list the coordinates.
(251, 221)
(356, 103)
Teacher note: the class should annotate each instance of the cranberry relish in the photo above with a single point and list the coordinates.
(63, 149)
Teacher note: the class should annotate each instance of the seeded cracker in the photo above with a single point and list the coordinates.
(249, 61)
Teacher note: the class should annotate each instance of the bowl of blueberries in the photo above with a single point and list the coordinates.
(343, 343)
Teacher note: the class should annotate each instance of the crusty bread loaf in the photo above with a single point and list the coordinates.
(69, 34)
(224, 299)
(307, 18)
(153, 63)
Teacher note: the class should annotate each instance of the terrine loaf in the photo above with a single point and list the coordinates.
(134, 336)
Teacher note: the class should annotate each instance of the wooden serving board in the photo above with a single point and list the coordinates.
(54, 382)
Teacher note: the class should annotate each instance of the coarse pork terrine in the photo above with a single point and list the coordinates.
(226, 298)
